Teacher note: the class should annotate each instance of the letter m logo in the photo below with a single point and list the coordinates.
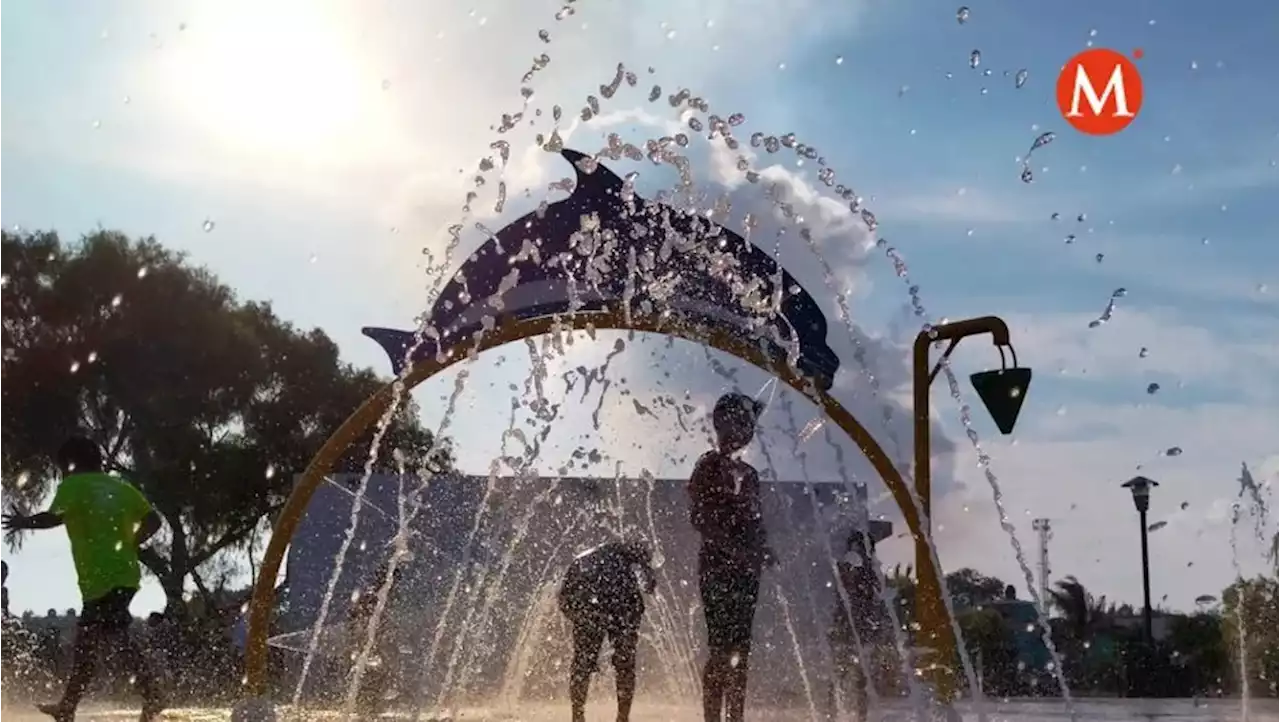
(1099, 92)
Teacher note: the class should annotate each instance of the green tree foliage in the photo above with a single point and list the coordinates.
(989, 641)
(1249, 618)
(1083, 614)
(1101, 643)
(970, 587)
(1197, 645)
(209, 404)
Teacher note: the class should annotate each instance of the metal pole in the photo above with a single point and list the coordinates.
(1146, 580)
(1042, 529)
(931, 612)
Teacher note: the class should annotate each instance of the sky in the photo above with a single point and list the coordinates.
(314, 153)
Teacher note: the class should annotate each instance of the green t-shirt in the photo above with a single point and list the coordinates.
(102, 514)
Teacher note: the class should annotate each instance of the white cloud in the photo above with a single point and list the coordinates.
(1230, 354)
(962, 204)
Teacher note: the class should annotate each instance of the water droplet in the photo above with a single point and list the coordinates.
(208, 225)
(142, 272)
(1098, 258)
(1041, 141)
(1173, 451)
(1195, 65)
(962, 15)
(1152, 388)
(97, 124)
(671, 35)
(1184, 505)
(1055, 216)
(839, 60)
(127, 100)
(975, 58)
(737, 119)
(1020, 79)
(271, 471)
(1027, 176)
(1144, 352)
(116, 300)
(386, 84)
(544, 36)
(75, 366)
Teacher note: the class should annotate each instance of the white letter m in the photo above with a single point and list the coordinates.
(1084, 86)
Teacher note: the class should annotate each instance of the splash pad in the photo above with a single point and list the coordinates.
(595, 261)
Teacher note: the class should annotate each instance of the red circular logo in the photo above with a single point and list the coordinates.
(1099, 92)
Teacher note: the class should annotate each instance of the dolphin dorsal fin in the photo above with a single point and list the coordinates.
(600, 181)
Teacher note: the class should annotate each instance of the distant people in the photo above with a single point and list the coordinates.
(1010, 594)
(377, 677)
(724, 498)
(106, 519)
(601, 597)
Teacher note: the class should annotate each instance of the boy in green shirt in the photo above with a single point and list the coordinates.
(106, 519)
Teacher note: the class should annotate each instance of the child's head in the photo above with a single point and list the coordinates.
(79, 455)
(734, 420)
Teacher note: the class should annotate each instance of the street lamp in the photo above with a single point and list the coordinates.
(1002, 392)
(1140, 487)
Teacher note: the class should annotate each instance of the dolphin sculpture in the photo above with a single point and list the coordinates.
(604, 247)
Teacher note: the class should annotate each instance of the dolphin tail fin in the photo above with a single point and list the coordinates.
(395, 343)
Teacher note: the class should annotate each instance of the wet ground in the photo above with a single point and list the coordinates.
(1102, 710)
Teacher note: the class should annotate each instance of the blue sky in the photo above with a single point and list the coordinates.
(326, 141)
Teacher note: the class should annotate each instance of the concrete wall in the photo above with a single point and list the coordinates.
(474, 617)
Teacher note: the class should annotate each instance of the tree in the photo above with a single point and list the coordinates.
(1249, 617)
(970, 587)
(1083, 614)
(992, 649)
(208, 404)
(1197, 643)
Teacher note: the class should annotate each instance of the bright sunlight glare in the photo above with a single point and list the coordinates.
(277, 83)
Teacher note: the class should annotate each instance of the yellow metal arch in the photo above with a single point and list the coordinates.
(739, 345)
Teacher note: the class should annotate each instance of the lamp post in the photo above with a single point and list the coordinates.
(1140, 487)
(1002, 392)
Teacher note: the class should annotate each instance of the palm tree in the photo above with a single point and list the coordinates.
(1083, 613)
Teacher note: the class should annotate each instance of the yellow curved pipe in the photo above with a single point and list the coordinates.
(506, 331)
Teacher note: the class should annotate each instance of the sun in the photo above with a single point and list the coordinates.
(276, 81)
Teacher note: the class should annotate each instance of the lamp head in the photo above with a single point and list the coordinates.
(1140, 487)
